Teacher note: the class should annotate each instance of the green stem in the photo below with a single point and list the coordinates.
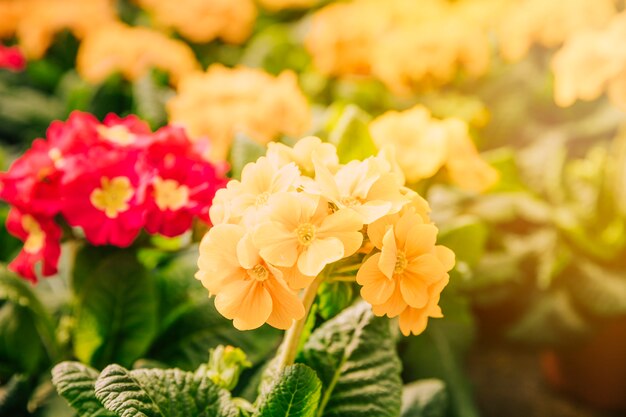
(289, 347)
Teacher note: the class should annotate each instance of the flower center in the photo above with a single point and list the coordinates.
(169, 194)
(35, 240)
(57, 158)
(401, 263)
(113, 196)
(118, 134)
(350, 201)
(305, 233)
(259, 273)
(261, 199)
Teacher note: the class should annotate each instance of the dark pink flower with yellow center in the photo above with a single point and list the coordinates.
(103, 193)
(41, 237)
(11, 58)
(183, 186)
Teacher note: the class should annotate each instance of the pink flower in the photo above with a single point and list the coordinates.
(103, 193)
(184, 184)
(41, 237)
(12, 58)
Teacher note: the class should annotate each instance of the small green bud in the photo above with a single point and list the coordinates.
(225, 365)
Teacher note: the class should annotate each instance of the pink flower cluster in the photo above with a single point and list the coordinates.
(12, 58)
(110, 179)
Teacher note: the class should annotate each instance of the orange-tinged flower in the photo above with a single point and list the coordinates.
(203, 21)
(303, 153)
(409, 271)
(224, 101)
(276, 5)
(248, 290)
(423, 145)
(302, 232)
(132, 51)
(414, 320)
(366, 187)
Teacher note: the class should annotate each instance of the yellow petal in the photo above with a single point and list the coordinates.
(373, 210)
(318, 254)
(246, 302)
(389, 254)
(445, 256)
(376, 287)
(420, 239)
(413, 320)
(247, 253)
(428, 268)
(376, 231)
(286, 306)
(393, 306)
(276, 244)
(344, 225)
(414, 290)
(296, 279)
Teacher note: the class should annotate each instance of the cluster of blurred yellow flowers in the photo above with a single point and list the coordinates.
(402, 42)
(296, 212)
(132, 51)
(590, 63)
(224, 101)
(423, 145)
(35, 23)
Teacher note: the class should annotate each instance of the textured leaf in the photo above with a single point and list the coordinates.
(186, 342)
(425, 398)
(296, 393)
(161, 393)
(333, 297)
(76, 383)
(116, 309)
(355, 358)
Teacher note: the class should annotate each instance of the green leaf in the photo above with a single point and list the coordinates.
(76, 383)
(161, 393)
(424, 398)
(242, 151)
(355, 358)
(150, 98)
(115, 308)
(296, 393)
(333, 297)
(27, 339)
(185, 344)
(349, 131)
(9, 245)
(467, 237)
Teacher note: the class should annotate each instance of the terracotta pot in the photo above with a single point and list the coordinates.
(594, 371)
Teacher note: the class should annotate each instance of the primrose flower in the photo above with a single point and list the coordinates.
(301, 232)
(41, 237)
(409, 271)
(11, 58)
(248, 289)
(423, 145)
(202, 21)
(132, 51)
(223, 102)
(303, 153)
(276, 5)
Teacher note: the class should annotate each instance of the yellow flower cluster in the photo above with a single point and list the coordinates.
(202, 20)
(36, 22)
(296, 212)
(402, 42)
(222, 101)
(592, 62)
(132, 51)
(423, 145)
(548, 23)
(276, 5)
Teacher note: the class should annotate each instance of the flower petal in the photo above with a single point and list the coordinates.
(247, 302)
(414, 290)
(318, 254)
(276, 244)
(376, 287)
(286, 306)
(389, 254)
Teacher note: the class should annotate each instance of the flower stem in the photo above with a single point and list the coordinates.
(291, 342)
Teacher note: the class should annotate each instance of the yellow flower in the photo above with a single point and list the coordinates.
(222, 102)
(548, 23)
(37, 22)
(301, 232)
(132, 51)
(248, 290)
(203, 21)
(590, 63)
(409, 271)
(221, 209)
(259, 181)
(424, 145)
(414, 320)
(276, 5)
(303, 153)
(366, 187)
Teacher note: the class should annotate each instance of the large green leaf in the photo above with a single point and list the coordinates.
(295, 393)
(162, 393)
(424, 398)
(333, 297)
(76, 383)
(185, 343)
(355, 357)
(115, 310)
